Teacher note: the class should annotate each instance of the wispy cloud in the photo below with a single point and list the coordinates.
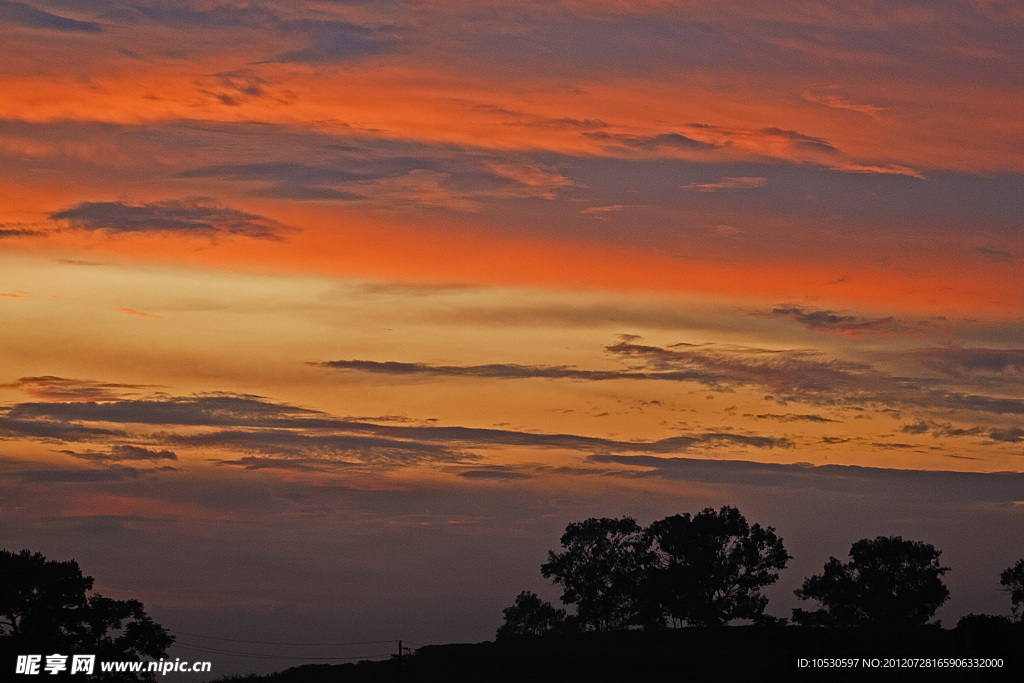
(856, 327)
(995, 255)
(320, 37)
(358, 168)
(6, 232)
(1011, 434)
(996, 487)
(706, 141)
(271, 433)
(726, 183)
(329, 40)
(967, 363)
(791, 417)
(504, 371)
(21, 14)
(52, 388)
(813, 377)
(837, 101)
(651, 143)
(602, 212)
(138, 314)
(123, 452)
(798, 375)
(183, 216)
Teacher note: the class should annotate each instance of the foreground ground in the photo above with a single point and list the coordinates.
(736, 653)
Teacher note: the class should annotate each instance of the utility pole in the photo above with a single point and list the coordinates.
(399, 661)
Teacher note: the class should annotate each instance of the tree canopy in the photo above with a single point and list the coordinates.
(530, 616)
(604, 562)
(711, 566)
(888, 581)
(704, 570)
(1012, 581)
(45, 608)
(40, 599)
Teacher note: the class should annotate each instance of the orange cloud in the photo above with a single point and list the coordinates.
(365, 246)
(138, 314)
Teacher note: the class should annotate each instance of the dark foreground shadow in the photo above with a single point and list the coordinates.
(742, 653)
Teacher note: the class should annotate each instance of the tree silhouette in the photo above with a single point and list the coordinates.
(530, 616)
(888, 581)
(711, 566)
(40, 599)
(1012, 580)
(44, 609)
(112, 628)
(602, 572)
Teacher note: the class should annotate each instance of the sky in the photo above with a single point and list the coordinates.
(322, 320)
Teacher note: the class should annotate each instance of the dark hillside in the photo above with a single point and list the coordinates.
(727, 654)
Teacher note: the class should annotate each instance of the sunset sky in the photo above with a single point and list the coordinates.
(321, 320)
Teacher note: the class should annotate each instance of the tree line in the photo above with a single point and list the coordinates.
(47, 607)
(709, 569)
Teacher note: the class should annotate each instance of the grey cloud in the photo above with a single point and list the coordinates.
(54, 388)
(1005, 434)
(918, 428)
(336, 40)
(832, 322)
(122, 453)
(528, 120)
(799, 139)
(812, 377)
(206, 410)
(326, 40)
(358, 168)
(986, 487)
(219, 16)
(302, 193)
(261, 428)
(787, 372)
(49, 430)
(234, 88)
(793, 375)
(502, 371)
(650, 143)
(269, 463)
(477, 437)
(330, 448)
(965, 363)
(495, 473)
(279, 171)
(20, 14)
(1009, 435)
(289, 180)
(186, 216)
(792, 417)
(996, 255)
(17, 232)
(727, 183)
